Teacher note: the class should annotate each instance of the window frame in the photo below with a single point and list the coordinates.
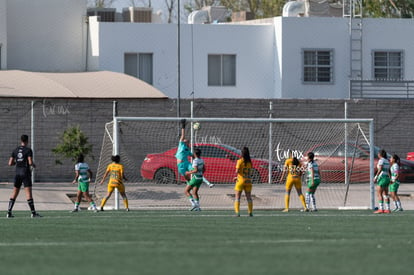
(387, 67)
(317, 67)
(140, 66)
(226, 77)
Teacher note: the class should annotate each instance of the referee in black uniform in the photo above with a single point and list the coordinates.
(22, 157)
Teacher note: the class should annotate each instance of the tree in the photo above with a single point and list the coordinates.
(100, 3)
(170, 7)
(199, 4)
(73, 143)
(145, 3)
(389, 8)
(258, 8)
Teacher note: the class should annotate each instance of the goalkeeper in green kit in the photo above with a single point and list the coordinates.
(183, 152)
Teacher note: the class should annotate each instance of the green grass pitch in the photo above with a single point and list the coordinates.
(207, 242)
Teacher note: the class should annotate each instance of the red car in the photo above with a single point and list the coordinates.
(220, 161)
(331, 161)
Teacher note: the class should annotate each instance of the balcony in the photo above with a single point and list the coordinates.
(390, 89)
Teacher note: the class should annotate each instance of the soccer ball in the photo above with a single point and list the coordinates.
(196, 126)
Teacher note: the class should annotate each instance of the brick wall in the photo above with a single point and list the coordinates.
(392, 120)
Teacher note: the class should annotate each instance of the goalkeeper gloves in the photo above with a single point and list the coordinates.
(183, 122)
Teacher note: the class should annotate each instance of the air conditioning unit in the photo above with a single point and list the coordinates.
(105, 14)
(138, 15)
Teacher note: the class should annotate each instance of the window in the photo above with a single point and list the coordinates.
(317, 66)
(221, 70)
(139, 65)
(212, 152)
(388, 65)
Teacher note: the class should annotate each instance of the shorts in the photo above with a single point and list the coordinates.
(83, 186)
(120, 187)
(383, 182)
(290, 182)
(183, 167)
(26, 180)
(246, 187)
(315, 184)
(195, 182)
(393, 187)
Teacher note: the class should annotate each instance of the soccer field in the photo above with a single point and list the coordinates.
(208, 242)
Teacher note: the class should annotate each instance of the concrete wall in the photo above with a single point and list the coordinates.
(3, 34)
(383, 34)
(252, 44)
(393, 124)
(315, 34)
(53, 36)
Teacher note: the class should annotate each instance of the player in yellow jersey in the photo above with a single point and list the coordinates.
(293, 169)
(243, 182)
(115, 170)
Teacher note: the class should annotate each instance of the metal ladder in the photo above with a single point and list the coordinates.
(353, 10)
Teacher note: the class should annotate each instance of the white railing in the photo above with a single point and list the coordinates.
(392, 89)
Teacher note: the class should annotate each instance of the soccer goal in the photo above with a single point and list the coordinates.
(147, 146)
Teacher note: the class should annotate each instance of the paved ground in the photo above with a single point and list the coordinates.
(54, 196)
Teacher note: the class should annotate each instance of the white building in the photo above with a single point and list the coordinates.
(283, 57)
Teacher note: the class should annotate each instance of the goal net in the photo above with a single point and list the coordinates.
(147, 147)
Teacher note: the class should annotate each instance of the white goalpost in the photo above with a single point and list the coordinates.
(343, 148)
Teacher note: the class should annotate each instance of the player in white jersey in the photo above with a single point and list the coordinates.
(313, 180)
(395, 181)
(382, 178)
(83, 176)
(196, 180)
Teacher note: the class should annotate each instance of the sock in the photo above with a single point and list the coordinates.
(190, 198)
(396, 204)
(250, 206)
(237, 206)
(206, 181)
(11, 204)
(381, 205)
(197, 202)
(31, 205)
(126, 203)
(103, 202)
(302, 200)
(307, 200)
(399, 204)
(387, 205)
(77, 205)
(92, 203)
(312, 200)
(287, 198)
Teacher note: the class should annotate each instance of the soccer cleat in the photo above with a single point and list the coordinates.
(193, 208)
(75, 210)
(102, 209)
(387, 211)
(379, 211)
(197, 209)
(304, 210)
(314, 210)
(211, 185)
(9, 215)
(36, 215)
(285, 210)
(237, 215)
(127, 209)
(250, 214)
(396, 210)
